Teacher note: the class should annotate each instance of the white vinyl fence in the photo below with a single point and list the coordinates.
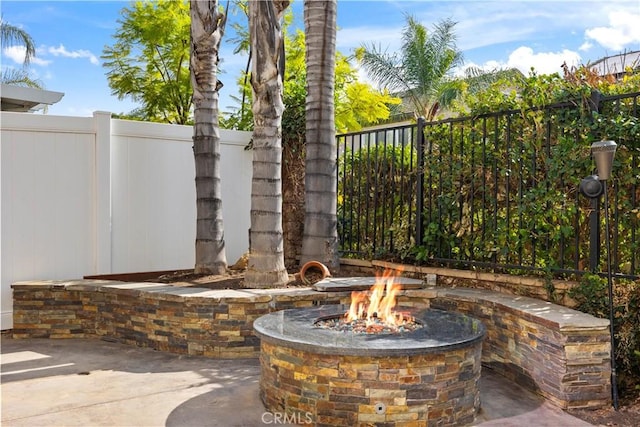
(95, 195)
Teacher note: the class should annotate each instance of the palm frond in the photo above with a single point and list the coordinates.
(14, 77)
(10, 35)
(383, 68)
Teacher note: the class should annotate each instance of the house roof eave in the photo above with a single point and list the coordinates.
(26, 99)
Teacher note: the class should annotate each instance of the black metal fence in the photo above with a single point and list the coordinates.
(496, 191)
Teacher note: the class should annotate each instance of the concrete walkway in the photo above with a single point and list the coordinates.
(83, 382)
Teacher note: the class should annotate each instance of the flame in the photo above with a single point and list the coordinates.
(377, 303)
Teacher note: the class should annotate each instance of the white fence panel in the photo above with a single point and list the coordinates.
(83, 196)
(153, 186)
(236, 172)
(48, 211)
(153, 197)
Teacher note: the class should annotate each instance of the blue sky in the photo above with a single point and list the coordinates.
(70, 37)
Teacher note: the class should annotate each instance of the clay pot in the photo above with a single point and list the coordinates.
(313, 266)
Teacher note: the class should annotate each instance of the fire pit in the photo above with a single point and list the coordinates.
(426, 375)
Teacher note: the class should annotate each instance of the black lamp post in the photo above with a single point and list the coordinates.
(603, 153)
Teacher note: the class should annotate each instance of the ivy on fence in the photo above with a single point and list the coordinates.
(500, 189)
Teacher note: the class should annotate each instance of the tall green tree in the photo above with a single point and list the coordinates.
(12, 35)
(207, 29)
(421, 72)
(149, 61)
(266, 254)
(320, 237)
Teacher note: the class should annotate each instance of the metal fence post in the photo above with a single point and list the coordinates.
(420, 140)
(594, 235)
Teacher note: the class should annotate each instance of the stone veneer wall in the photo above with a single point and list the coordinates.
(180, 320)
(420, 390)
(559, 352)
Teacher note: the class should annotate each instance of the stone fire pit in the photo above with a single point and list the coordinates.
(428, 376)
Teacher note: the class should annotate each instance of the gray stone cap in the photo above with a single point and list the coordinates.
(557, 316)
(441, 331)
(335, 284)
(75, 284)
(167, 291)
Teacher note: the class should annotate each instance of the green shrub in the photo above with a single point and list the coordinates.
(376, 188)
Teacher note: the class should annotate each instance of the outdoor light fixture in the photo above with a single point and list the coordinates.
(603, 153)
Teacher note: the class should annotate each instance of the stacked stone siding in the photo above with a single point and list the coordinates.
(544, 347)
(179, 320)
(422, 390)
(51, 311)
(556, 351)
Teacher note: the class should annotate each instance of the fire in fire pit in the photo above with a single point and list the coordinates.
(372, 312)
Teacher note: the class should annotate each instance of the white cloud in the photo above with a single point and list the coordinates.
(17, 54)
(585, 46)
(62, 51)
(40, 61)
(623, 30)
(524, 58)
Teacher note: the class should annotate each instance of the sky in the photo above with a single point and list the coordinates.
(71, 35)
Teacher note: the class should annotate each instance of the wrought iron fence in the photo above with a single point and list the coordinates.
(496, 191)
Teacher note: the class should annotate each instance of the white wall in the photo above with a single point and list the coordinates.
(96, 195)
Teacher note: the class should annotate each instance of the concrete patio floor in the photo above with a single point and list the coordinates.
(90, 382)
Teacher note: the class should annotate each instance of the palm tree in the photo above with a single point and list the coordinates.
(10, 35)
(265, 267)
(207, 29)
(421, 72)
(320, 236)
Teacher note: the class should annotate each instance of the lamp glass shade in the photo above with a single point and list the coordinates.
(603, 153)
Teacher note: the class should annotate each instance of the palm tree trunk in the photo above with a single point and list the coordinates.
(207, 29)
(320, 238)
(266, 256)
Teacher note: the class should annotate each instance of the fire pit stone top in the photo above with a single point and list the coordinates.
(295, 328)
(336, 284)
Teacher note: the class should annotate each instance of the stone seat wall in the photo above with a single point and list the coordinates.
(558, 352)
